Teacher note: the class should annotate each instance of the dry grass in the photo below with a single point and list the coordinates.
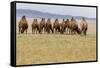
(50, 48)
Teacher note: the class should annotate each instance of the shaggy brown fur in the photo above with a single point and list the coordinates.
(23, 25)
(49, 26)
(35, 26)
(42, 25)
(67, 26)
(73, 26)
(84, 26)
(62, 27)
(56, 26)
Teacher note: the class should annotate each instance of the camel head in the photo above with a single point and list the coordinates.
(22, 30)
(78, 31)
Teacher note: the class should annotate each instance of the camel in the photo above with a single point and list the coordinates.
(73, 26)
(84, 26)
(35, 26)
(67, 26)
(42, 25)
(62, 27)
(49, 26)
(23, 25)
(56, 26)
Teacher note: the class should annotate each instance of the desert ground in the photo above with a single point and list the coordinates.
(55, 48)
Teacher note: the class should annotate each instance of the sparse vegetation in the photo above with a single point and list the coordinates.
(50, 48)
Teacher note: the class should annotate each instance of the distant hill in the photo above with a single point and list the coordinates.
(38, 14)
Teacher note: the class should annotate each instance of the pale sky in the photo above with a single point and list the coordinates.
(89, 12)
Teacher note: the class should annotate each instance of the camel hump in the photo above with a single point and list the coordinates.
(67, 20)
(35, 19)
(23, 17)
(63, 19)
(73, 19)
(56, 20)
(84, 21)
(48, 20)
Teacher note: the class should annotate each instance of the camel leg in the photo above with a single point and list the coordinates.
(71, 31)
(36, 30)
(48, 31)
(32, 30)
(41, 31)
(19, 30)
(85, 32)
(55, 30)
(52, 30)
(67, 31)
(26, 31)
(44, 30)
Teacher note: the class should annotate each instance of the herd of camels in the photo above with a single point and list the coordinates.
(69, 26)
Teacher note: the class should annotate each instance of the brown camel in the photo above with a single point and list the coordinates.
(49, 26)
(42, 25)
(67, 26)
(73, 26)
(35, 26)
(23, 25)
(84, 26)
(62, 27)
(56, 26)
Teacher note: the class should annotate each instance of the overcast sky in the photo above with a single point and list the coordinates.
(89, 12)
